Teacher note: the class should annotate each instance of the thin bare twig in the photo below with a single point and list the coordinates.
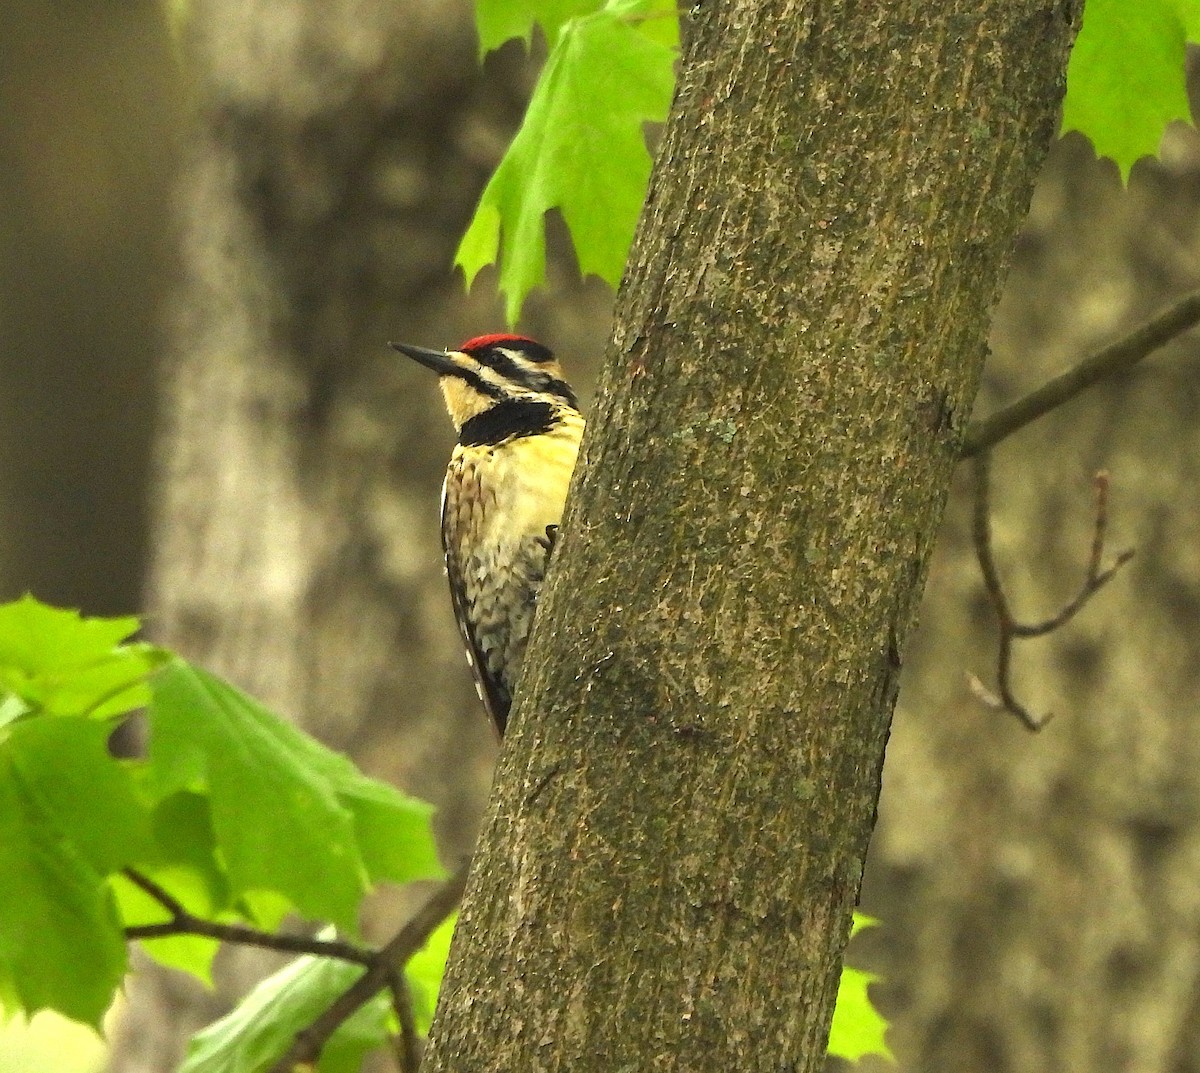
(407, 1043)
(1117, 357)
(307, 1045)
(183, 922)
(1094, 580)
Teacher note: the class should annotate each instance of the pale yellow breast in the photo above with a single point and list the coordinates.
(523, 483)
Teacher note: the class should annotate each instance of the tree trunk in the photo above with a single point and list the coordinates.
(679, 824)
(87, 153)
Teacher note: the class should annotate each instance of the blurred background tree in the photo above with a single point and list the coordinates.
(212, 231)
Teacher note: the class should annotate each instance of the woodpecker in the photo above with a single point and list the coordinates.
(519, 427)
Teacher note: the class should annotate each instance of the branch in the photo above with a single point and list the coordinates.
(1117, 357)
(1010, 629)
(383, 966)
(408, 1043)
(183, 922)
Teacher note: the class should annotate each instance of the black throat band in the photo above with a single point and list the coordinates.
(505, 421)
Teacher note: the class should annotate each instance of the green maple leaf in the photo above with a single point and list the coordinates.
(290, 818)
(258, 1032)
(193, 954)
(184, 862)
(1126, 78)
(68, 775)
(499, 21)
(68, 816)
(425, 970)
(56, 662)
(581, 149)
(254, 1036)
(858, 1028)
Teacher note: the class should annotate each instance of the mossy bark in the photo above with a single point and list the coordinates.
(676, 836)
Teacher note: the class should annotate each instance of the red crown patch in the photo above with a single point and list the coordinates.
(482, 342)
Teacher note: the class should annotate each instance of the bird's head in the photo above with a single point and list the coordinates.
(492, 369)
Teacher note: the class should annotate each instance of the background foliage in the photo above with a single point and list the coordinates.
(610, 70)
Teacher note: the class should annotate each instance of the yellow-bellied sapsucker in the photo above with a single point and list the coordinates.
(518, 428)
